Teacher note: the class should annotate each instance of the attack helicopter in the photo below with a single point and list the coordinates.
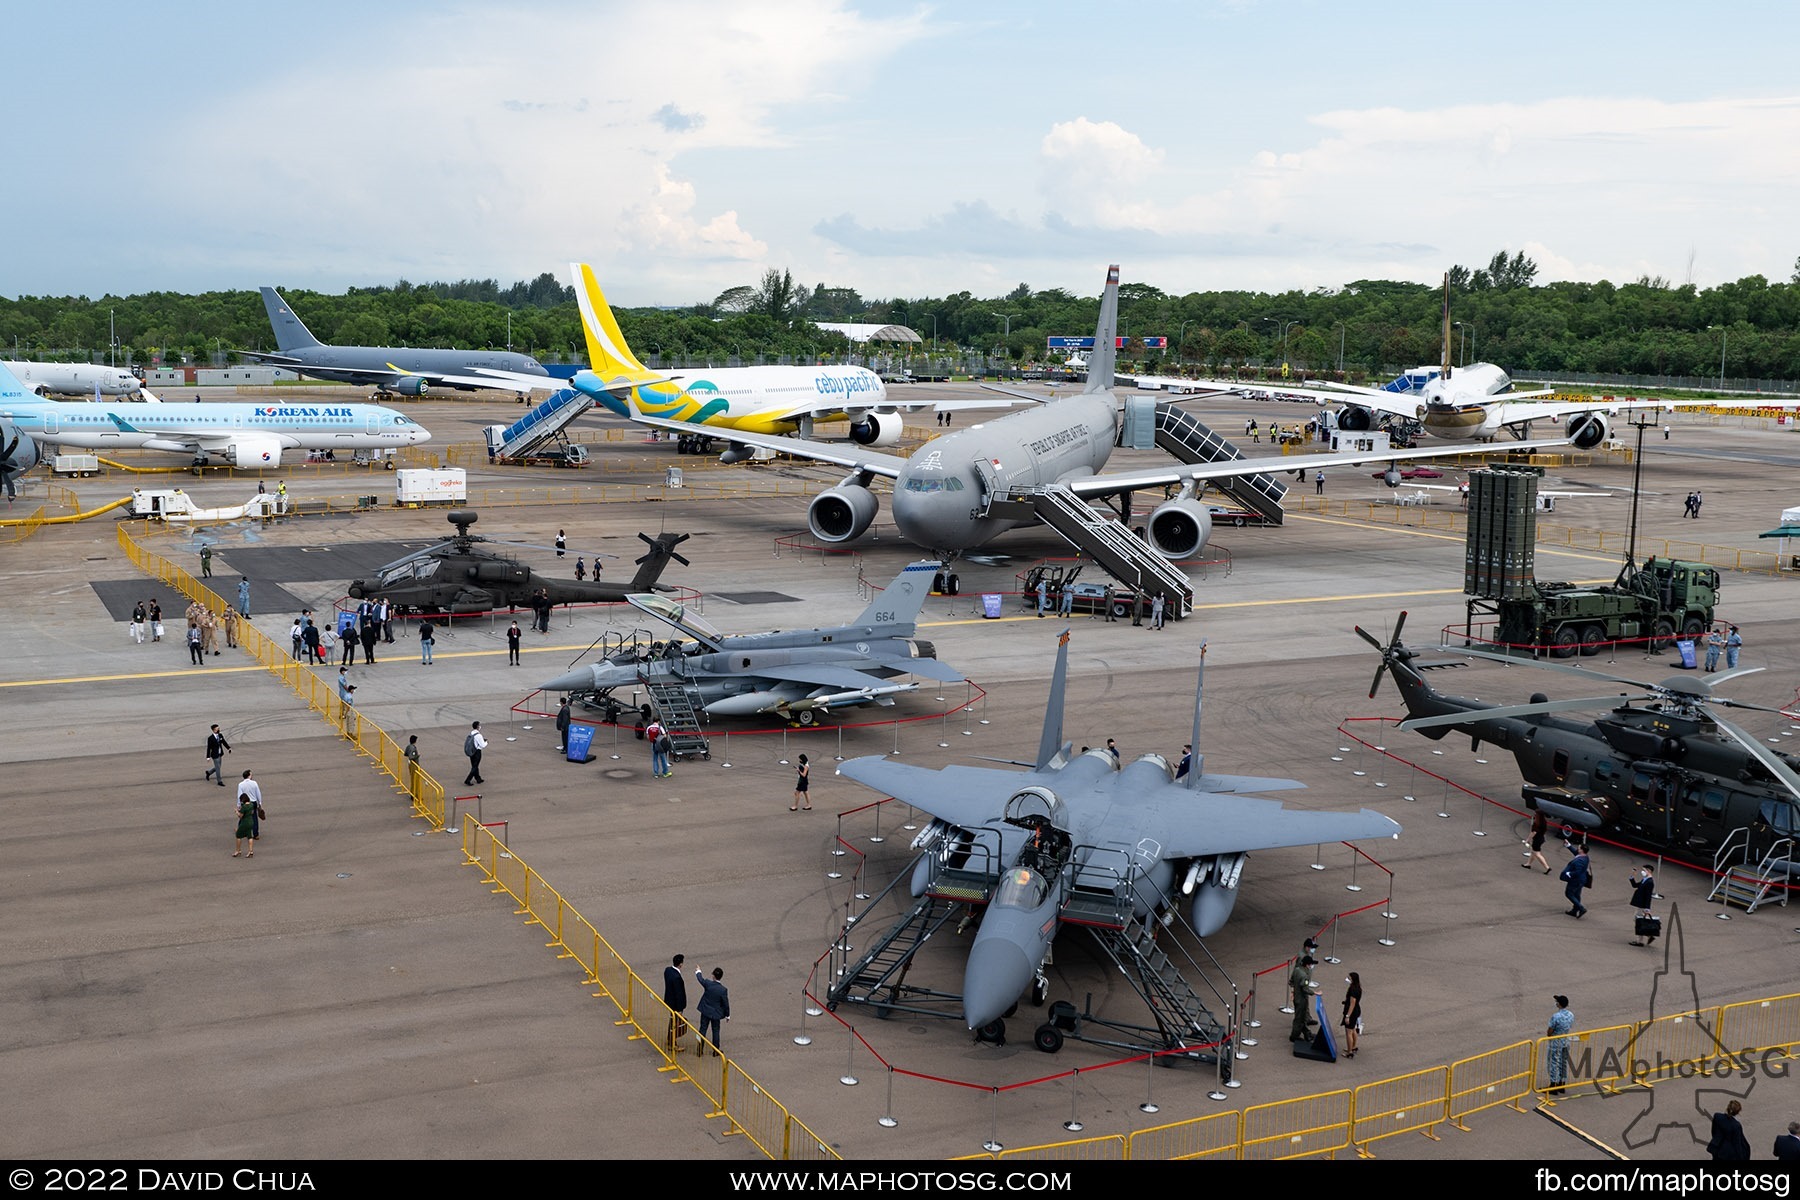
(1660, 769)
(458, 577)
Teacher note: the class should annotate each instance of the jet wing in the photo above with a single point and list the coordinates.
(831, 675)
(966, 796)
(1399, 404)
(826, 408)
(491, 377)
(1112, 485)
(1192, 824)
(924, 668)
(855, 457)
(1518, 412)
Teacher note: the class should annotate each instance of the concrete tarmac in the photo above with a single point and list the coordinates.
(355, 991)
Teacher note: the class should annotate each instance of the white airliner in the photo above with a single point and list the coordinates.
(1468, 403)
(245, 435)
(74, 379)
(770, 400)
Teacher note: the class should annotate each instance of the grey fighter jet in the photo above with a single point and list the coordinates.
(1078, 839)
(796, 674)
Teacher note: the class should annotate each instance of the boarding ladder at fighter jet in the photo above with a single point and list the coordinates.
(677, 706)
(543, 423)
(1179, 434)
(1158, 968)
(1120, 553)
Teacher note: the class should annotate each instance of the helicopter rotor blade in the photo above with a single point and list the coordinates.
(1517, 710)
(1493, 656)
(1724, 703)
(1733, 674)
(1780, 770)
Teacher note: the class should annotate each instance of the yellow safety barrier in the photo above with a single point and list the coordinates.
(1218, 1135)
(745, 1105)
(1500, 1076)
(1772, 1024)
(18, 529)
(1298, 1128)
(1418, 1102)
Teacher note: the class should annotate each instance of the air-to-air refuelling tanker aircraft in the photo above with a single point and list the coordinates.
(1078, 832)
(796, 673)
(941, 492)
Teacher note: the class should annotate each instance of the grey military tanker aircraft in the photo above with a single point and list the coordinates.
(1077, 839)
(942, 493)
(797, 674)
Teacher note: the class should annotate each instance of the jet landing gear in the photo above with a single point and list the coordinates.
(1068, 1023)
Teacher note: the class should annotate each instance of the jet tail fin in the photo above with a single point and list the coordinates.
(1050, 742)
(291, 332)
(1444, 371)
(902, 600)
(1106, 333)
(608, 354)
(1197, 764)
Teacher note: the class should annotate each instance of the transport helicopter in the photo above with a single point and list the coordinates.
(458, 576)
(1660, 769)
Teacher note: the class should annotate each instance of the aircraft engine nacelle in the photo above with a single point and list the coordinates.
(18, 451)
(1391, 477)
(1179, 528)
(1354, 419)
(407, 385)
(877, 429)
(254, 451)
(842, 513)
(1589, 430)
(1211, 908)
(736, 452)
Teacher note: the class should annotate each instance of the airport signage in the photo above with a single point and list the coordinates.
(1087, 343)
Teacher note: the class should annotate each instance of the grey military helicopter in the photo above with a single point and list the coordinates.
(1076, 840)
(1660, 769)
(458, 576)
(797, 674)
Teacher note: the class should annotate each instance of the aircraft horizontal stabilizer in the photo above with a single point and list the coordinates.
(1238, 824)
(966, 796)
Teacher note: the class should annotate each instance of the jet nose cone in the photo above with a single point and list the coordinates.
(996, 974)
(577, 680)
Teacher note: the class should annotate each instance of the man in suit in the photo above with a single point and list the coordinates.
(714, 1007)
(675, 996)
(1787, 1146)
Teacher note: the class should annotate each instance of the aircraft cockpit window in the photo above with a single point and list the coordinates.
(1780, 816)
(676, 614)
(1021, 888)
(1559, 764)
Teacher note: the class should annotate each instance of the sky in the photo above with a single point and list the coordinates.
(905, 150)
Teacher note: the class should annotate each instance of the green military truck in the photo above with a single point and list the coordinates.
(1660, 599)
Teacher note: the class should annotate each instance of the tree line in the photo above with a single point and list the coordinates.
(1368, 327)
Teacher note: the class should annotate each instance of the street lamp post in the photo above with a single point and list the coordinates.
(1723, 334)
(1342, 330)
(1463, 361)
(1180, 340)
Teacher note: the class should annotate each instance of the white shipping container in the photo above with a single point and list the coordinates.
(75, 464)
(449, 486)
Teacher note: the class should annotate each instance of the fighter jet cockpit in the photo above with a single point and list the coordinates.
(1021, 887)
(677, 615)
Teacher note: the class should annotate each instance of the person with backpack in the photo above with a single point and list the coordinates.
(660, 745)
(427, 639)
(473, 745)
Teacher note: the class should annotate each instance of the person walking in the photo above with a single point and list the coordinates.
(246, 828)
(1643, 895)
(1066, 603)
(1319, 484)
(1733, 643)
(1534, 852)
(1728, 1142)
(371, 633)
(1715, 646)
(1576, 876)
(196, 645)
(580, 569)
(473, 744)
(512, 644)
(562, 543)
(802, 782)
(1043, 594)
(1687, 506)
(675, 999)
(427, 639)
(1300, 993)
(562, 722)
(250, 790)
(658, 737)
(156, 629)
(315, 648)
(347, 638)
(1352, 1018)
(216, 750)
(243, 595)
(1697, 499)
(206, 553)
(231, 628)
(139, 617)
(1561, 1022)
(714, 1007)
(1787, 1146)
(1665, 433)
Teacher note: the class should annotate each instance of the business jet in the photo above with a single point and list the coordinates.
(1468, 403)
(74, 379)
(245, 435)
(770, 400)
(942, 493)
(395, 369)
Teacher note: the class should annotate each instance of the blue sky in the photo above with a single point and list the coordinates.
(685, 146)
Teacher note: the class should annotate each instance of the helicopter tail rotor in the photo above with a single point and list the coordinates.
(663, 546)
(1389, 652)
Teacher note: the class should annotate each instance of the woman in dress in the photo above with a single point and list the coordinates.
(1352, 1020)
(1540, 827)
(802, 780)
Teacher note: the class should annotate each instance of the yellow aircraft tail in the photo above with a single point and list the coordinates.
(610, 357)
